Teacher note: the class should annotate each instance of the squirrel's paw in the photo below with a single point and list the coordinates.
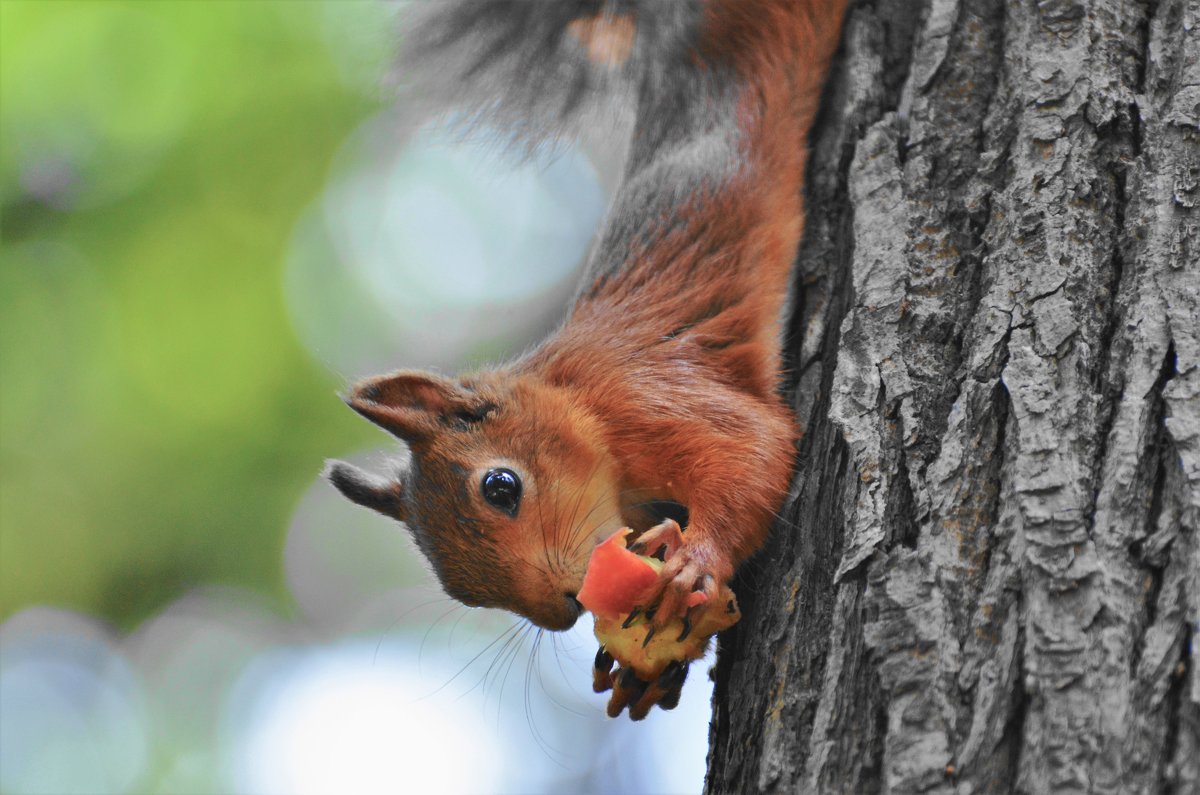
(686, 602)
(629, 690)
(660, 541)
(690, 583)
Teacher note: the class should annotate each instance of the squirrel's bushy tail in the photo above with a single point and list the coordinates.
(536, 69)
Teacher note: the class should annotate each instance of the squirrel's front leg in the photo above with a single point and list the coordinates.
(698, 561)
(732, 495)
(732, 480)
(695, 563)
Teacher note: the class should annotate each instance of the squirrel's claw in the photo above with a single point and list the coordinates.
(627, 689)
(671, 683)
(665, 537)
(663, 691)
(640, 696)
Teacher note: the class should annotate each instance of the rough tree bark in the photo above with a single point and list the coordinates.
(988, 578)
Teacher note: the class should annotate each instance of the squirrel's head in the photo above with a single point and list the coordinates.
(507, 488)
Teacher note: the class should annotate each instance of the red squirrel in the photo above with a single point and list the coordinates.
(663, 384)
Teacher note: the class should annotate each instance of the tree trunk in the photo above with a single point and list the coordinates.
(988, 577)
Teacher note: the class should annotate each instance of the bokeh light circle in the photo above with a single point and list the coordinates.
(435, 250)
(341, 720)
(72, 716)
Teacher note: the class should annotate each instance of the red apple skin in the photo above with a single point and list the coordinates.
(616, 579)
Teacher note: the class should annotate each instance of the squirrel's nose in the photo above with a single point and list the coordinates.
(561, 618)
(574, 609)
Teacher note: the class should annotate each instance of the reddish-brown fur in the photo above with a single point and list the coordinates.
(660, 384)
(698, 419)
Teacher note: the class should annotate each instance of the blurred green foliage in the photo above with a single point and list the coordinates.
(158, 418)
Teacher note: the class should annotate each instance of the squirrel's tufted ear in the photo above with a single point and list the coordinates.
(369, 491)
(414, 405)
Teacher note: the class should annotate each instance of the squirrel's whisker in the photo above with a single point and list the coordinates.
(507, 668)
(558, 757)
(513, 627)
(577, 536)
(581, 491)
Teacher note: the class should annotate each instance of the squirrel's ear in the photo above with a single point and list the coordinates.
(369, 491)
(414, 405)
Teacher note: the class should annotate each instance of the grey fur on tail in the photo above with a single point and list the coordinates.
(518, 66)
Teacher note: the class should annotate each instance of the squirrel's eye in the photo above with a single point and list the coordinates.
(502, 488)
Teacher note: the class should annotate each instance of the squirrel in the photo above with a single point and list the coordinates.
(662, 386)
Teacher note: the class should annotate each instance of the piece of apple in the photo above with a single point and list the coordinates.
(616, 578)
(616, 583)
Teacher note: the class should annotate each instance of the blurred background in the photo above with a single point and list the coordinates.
(212, 217)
